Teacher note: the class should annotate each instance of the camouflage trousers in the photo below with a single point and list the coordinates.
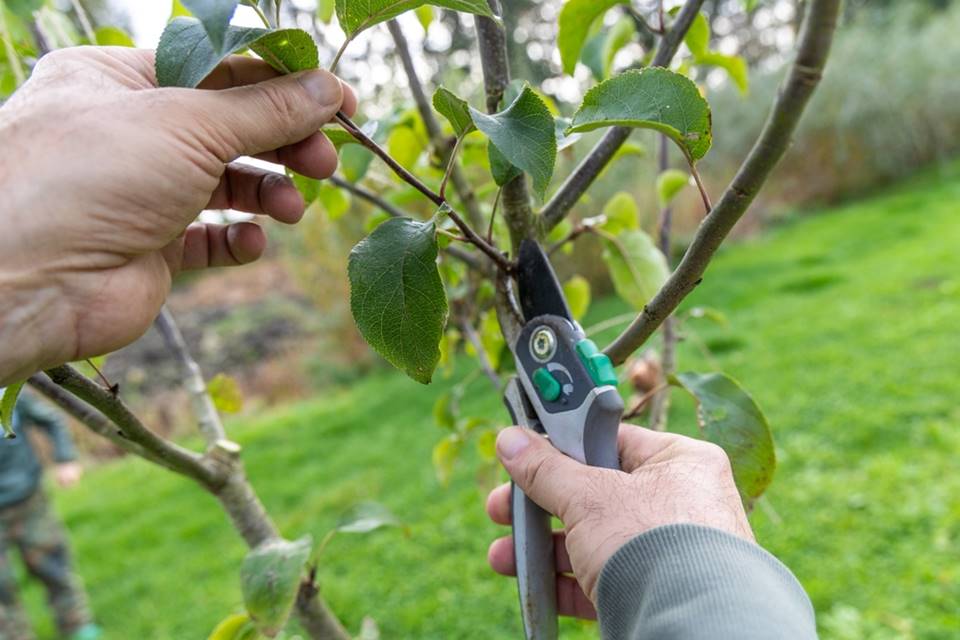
(37, 534)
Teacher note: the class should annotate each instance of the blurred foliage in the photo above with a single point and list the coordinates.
(889, 104)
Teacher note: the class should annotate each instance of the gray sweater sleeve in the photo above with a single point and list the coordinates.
(686, 582)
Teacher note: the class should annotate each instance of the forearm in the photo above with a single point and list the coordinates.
(689, 582)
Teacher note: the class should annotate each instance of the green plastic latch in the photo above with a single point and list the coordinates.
(597, 363)
(546, 384)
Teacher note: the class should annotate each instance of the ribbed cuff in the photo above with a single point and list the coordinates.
(690, 582)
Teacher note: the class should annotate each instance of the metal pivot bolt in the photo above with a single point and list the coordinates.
(543, 344)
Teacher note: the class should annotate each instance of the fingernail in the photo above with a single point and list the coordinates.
(511, 442)
(322, 86)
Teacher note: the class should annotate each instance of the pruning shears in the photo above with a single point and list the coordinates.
(566, 389)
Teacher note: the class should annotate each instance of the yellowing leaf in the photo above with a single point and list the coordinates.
(621, 213)
(577, 292)
(576, 19)
(405, 147)
(225, 393)
(670, 183)
(637, 267)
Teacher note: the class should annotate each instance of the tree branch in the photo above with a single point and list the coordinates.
(492, 252)
(208, 418)
(440, 146)
(470, 259)
(804, 75)
(586, 173)
(183, 461)
(89, 417)
(515, 198)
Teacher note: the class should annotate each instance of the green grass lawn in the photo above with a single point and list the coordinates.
(844, 325)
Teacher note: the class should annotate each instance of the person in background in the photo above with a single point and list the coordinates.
(27, 523)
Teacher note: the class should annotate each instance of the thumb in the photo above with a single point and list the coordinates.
(547, 476)
(261, 117)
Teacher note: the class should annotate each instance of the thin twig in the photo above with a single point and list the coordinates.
(204, 410)
(451, 166)
(184, 461)
(84, 21)
(493, 215)
(263, 17)
(804, 76)
(644, 401)
(494, 254)
(470, 333)
(472, 260)
(437, 140)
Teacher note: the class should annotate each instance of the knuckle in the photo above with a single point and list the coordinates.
(715, 456)
(282, 105)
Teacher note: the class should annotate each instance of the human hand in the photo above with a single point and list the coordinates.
(68, 474)
(103, 173)
(666, 479)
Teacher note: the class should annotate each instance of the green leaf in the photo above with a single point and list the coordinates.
(525, 136)
(404, 146)
(288, 50)
(425, 17)
(576, 18)
(225, 393)
(338, 137)
(654, 98)
(397, 296)
(577, 292)
(730, 418)
(622, 214)
(637, 267)
(7, 404)
(750, 5)
(444, 410)
(178, 10)
(455, 109)
(670, 183)
(735, 66)
(697, 38)
(619, 36)
(357, 15)
(500, 168)
(235, 627)
(24, 9)
(445, 456)
(215, 16)
(186, 56)
(113, 37)
(708, 313)
(270, 578)
(325, 9)
(366, 517)
(491, 338)
(355, 162)
(487, 445)
(335, 201)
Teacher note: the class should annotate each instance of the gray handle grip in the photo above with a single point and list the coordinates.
(536, 572)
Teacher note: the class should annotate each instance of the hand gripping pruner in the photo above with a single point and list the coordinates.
(566, 389)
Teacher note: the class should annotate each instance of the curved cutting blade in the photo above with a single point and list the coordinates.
(540, 291)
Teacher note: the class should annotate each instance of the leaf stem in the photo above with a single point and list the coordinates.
(493, 215)
(703, 189)
(451, 165)
(84, 19)
(340, 52)
(260, 14)
(645, 400)
(492, 252)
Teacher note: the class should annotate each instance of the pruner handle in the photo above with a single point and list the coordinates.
(532, 542)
